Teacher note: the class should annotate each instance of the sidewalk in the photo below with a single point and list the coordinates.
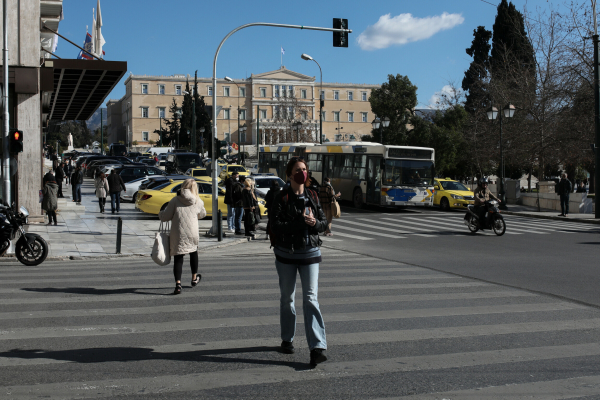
(527, 211)
(82, 231)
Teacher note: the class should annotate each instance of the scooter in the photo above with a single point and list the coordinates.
(31, 249)
(493, 219)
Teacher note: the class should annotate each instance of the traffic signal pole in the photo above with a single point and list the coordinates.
(215, 190)
(5, 148)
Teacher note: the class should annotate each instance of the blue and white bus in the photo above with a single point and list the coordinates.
(364, 172)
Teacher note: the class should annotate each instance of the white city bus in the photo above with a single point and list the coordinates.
(364, 172)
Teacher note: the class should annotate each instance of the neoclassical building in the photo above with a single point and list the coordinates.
(273, 101)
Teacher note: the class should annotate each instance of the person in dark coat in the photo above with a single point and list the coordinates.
(564, 189)
(49, 201)
(60, 176)
(115, 184)
(76, 182)
(229, 202)
(68, 171)
(250, 205)
(48, 177)
(271, 194)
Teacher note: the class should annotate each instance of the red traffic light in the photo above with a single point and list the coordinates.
(17, 135)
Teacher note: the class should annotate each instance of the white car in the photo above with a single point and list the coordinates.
(109, 167)
(132, 188)
(264, 183)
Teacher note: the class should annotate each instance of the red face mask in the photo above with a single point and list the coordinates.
(300, 177)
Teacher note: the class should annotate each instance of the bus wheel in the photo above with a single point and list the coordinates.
(357, 198)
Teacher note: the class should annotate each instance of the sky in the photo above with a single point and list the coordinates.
(423, 40)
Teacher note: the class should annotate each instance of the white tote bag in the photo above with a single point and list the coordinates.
(161, 253)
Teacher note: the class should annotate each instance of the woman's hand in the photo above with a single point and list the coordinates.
(310, 219)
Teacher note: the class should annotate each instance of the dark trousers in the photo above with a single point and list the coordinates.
(178, 266)
(51, 216)
(102, 203)
(115, 201)
(248, 225)
(564, 204)
(480, 211)
(60, 193)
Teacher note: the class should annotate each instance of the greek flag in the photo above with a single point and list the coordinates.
(282, 50)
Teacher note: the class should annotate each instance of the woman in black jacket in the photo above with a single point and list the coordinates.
(250, 205)
(296, 219)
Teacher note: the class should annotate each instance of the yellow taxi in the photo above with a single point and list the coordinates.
(230, 169)
(451, 194)
(152, 201)
(202, 174)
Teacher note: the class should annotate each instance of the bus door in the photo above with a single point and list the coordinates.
(374, 180)
(328, 166)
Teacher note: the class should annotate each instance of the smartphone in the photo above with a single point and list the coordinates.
(307, 210)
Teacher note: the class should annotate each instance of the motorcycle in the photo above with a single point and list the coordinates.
(493, 219)
(31, 249)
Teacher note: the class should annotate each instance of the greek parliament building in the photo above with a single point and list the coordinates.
(278, 99)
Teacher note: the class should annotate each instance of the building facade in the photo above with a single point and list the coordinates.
(279, 106)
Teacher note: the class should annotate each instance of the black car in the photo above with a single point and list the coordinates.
(91, 167)
(178, 163)
(154, 181)
(89, 159)
(147, 161)
(131, 172)
(134, 154)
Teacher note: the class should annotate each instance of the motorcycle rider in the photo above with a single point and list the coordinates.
(481, 195)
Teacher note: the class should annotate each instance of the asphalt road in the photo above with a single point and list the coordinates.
(559, 258)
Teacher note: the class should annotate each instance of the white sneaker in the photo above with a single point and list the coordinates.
(231, 231)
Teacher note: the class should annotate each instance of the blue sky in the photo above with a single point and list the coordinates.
(424, 40)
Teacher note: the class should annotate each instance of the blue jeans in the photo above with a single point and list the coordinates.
(230, 217)
(239, 213)
(115, 197)
(313, 320)
(77, 192)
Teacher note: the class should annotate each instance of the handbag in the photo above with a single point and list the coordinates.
(161, 253)
(335, 208)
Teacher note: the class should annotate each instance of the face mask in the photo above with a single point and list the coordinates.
(300, 177)
(237, 179)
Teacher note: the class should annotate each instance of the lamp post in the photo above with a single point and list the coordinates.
(127, 124)
(321, 99)
(202, 139)
(228, 79)
(492, 114)
(297, 125)
(380, 124)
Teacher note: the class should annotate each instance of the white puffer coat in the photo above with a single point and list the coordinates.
(183, 211)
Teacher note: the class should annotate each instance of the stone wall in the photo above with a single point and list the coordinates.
(579, 203)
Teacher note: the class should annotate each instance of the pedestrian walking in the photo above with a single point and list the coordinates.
(296, 221)
(102, 189)
(76, 182)
(60, 176)
(68, 171)
(115, 184)
(50, 199)
(271, 194)
(229, 201)
(564, 189)
(184, 211)
(238, 204)
(54, 161)
(250, 206)
(49, 176)
(326, 195)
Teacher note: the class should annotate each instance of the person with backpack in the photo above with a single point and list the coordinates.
(296, 219)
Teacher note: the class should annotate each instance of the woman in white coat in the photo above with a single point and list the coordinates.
(184, 211)
(101, 185)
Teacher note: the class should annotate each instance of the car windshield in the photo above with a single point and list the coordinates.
(448, 185)
(188, 159)
(264, 183)
(236, 169)
(408, 172)
(200, 172)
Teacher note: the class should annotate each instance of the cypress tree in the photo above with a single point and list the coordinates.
(186, 117)
(202, 120)
(475, 77)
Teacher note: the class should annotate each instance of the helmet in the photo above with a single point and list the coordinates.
(482, 181)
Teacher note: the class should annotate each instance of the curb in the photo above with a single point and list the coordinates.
(534, 215)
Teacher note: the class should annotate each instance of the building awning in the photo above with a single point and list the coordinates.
(80, 87)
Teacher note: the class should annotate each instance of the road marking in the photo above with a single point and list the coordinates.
(419, 225)
(373, 225)
(351, 236)
(350, 228)
(508, 227)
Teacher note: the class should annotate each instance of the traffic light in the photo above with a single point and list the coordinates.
(340, 39)
(16, 141)
(219, 144)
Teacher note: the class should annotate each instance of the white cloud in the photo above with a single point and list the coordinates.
(437, 102)
(405, 28)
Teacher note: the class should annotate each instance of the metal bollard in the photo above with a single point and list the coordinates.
(119, 232)
(220, 225)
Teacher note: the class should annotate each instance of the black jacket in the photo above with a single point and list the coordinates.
(228, 191)
(60, 174)
(76, 177)
(564, 187)
(287, 222)
(270, 196)
(115, 183)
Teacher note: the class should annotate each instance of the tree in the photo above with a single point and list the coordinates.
(395, 99)
(172, 126)
(478, 73)
(186, 117)
(202, 121)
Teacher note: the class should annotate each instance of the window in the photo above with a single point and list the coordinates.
(242, 92)
(242, 114)
(145, 136)
(303, 93)
(226, 91)
(263, 114)
(336, 116)
(144, 112)
(336, 95)
(350, 117)
(290, 91)
(303, 115)
(226, 113)
(178, 90)
(161, 112)
(144, 88)
(350, 96)
(322, 94)
(283, 91)
(323, 115)
(161, 89)
(363, 117)
(364, 96)
(290, 111)
(276, 94)
(263, 92)
(210, 90)
(276, 112)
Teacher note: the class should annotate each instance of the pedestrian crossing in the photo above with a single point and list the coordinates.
(431, 226)
(111, 329)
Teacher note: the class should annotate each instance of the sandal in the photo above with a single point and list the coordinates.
(197, 280)
(177, 288)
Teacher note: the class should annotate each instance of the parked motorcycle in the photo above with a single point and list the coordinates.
(493, 219)
(30, 249)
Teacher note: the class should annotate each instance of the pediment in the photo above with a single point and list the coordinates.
(284, 75)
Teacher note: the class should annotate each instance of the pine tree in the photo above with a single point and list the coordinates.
(478, 72)
(172, 126)
(202, 121)
(186, 117)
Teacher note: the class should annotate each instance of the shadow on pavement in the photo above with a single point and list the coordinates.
(94, 291)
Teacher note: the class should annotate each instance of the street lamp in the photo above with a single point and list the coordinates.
(297, 125)
(321, 99)
(492, 114)
(380, 124)
(228, 79)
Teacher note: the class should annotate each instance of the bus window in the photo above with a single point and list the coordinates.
(338, 164)
(348, 160)
(328, 167)
(360, 165)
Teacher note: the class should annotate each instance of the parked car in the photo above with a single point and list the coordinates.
(131, 172)
(90, 168)
(148, 161)
(162, 158)
(117, 149)
(133, 154)
(105, 169)
(180, 162)
(264, 183)
(229, 169)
